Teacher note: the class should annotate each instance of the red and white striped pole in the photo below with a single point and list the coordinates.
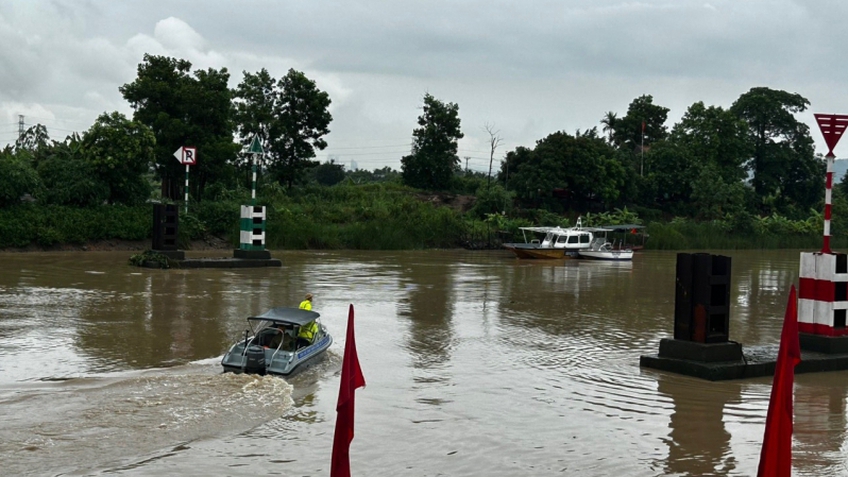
(828, 184)
(832, 126)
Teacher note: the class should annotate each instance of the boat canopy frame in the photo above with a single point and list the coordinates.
(286, 316)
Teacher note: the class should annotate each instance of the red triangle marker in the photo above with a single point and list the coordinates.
(832, 126)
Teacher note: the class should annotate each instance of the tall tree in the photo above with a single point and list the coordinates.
(785, 171)
(433, 161)
(290, 116)
(184, 110)
(494, 141)
(255, 98)
(714, 136)
(303, 119)
(643, 125)
(609, 123)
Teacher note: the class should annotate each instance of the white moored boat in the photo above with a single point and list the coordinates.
(558, 242)
(602, 248)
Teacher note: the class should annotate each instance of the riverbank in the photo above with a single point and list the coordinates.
(116, 245)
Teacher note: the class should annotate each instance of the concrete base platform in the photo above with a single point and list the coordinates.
(226, 263)
(756, 361)
(823, 344)
(252, 254)
(172, 254)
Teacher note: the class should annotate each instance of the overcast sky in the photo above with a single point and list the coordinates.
(528, 68)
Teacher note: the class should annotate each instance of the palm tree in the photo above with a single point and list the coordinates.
(609, 122)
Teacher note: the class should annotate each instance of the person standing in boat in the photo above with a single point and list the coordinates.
(307, 303)
(306, 332)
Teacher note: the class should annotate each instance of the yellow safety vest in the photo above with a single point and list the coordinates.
(308, 331)
(306, 305)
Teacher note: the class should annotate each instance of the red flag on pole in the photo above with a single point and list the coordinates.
(776, 454)
(351, 379)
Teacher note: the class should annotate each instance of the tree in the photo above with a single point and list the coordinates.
(68, 178)
(255, 98)
(290, 116)
(714, 136)
(643, 125)
(609, 123)
(17, 177)
(329, 173)
(583, 166)
(120, 152)
(433, 161)
(184, 110)
(784, 167)
(494, 142)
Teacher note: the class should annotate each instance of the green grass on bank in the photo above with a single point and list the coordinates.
(373, 217)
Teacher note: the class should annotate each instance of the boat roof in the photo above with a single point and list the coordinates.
(567, 230)
(293, 316)
(555, 229)
(620, 227)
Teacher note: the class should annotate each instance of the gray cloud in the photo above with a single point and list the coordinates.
(530, 68)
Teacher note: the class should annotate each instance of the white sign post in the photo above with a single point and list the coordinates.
(187, 156)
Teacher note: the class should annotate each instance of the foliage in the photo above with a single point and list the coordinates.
(70, 180)
(491, 199)
(713, 196)
(784, 167)
(17, 177)
(184, 110)
(28, 224)
(714, 137)
(329, 173)
(643, 124)
(120, 153)
(614, 217)
(290, 116)
(33, 139)
(583, 167)
(433, 161)
(362, 176)
(148, 258)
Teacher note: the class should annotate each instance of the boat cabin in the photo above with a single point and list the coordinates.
(558, 237)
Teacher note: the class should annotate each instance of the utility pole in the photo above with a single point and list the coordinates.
(20, 126)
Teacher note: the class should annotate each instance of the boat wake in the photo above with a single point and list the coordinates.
(54, 426)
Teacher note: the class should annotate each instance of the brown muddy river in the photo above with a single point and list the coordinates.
(476, 364)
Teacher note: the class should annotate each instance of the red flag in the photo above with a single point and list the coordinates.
(351, 379)
(776, 454)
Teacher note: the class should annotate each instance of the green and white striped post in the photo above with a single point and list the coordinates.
(252, 233)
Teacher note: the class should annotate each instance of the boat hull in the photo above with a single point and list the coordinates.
(281, 363)
(533, 251)
(608, 255)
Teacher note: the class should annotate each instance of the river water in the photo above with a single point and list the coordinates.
(476, 364)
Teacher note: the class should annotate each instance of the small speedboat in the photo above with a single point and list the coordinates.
(271, 345)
